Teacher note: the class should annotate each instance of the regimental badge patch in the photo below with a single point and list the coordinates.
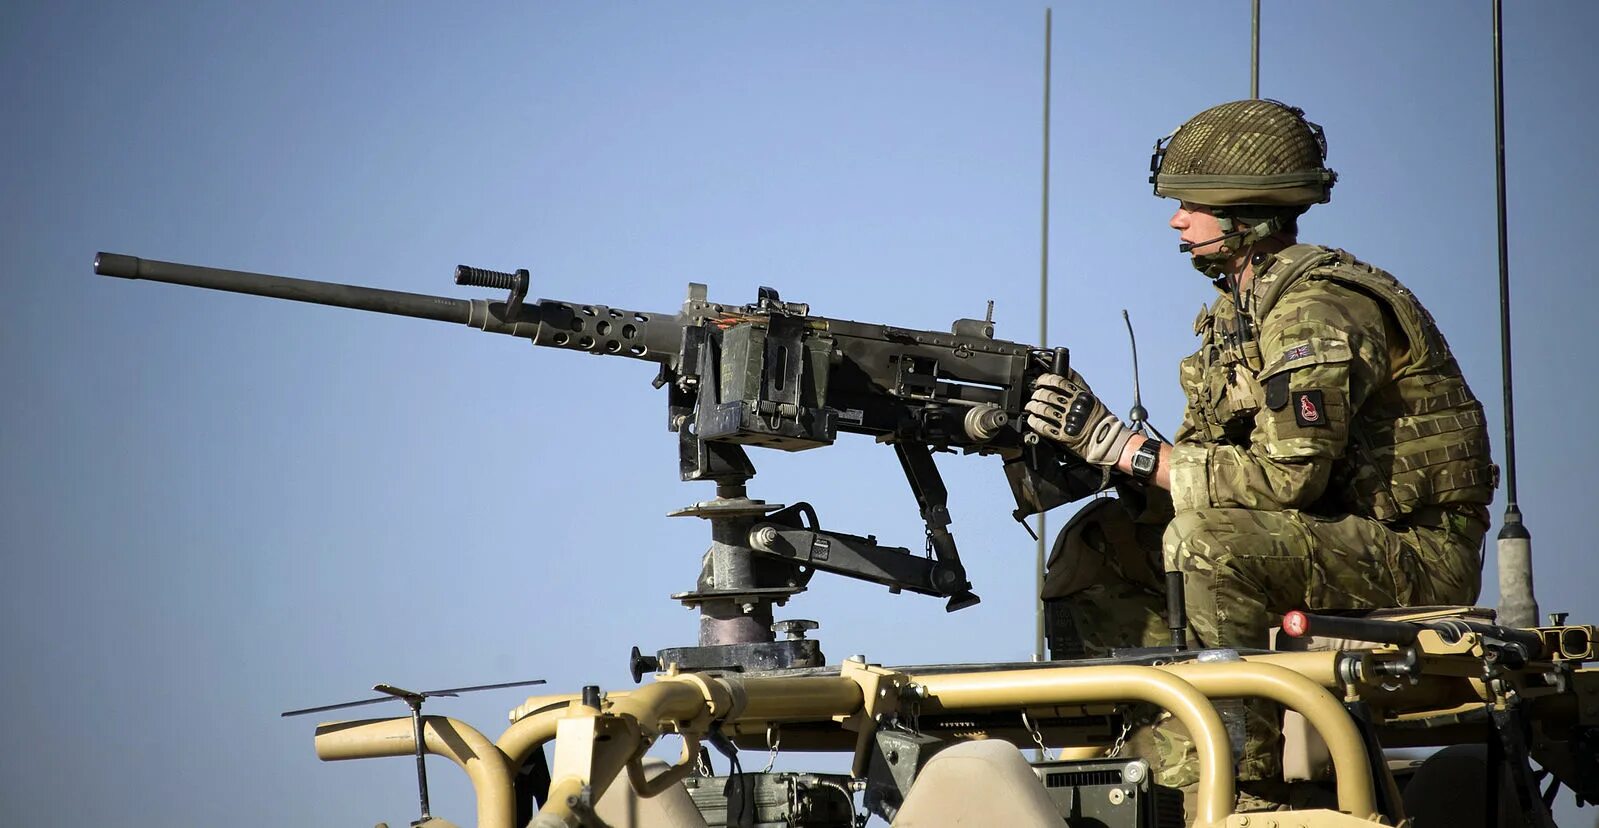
(1308, 409)
(1298, 352)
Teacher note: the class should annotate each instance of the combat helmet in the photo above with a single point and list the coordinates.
(1256, 163)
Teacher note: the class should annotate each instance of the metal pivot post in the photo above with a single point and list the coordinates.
(736, 591)
(415, 703)
(735, 608)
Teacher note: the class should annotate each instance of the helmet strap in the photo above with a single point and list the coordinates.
(1216, 265)
(1233, 282)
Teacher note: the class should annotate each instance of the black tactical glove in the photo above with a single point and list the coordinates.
(1066, 411)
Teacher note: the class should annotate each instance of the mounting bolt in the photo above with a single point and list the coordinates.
(763, 537)
(795, 628)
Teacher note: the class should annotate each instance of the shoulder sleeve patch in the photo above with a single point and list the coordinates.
(1309, 409)
(1312, 350)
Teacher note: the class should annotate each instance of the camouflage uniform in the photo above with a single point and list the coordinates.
(1334, 458)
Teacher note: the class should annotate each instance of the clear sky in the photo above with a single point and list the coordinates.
(217, 507)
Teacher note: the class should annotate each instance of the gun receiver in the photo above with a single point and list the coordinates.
(766, 374)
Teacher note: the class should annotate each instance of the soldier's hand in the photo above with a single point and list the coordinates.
(1066, 411)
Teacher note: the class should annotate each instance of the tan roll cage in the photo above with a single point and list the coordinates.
(596, 746)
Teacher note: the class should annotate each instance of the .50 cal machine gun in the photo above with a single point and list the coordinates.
(765, 374)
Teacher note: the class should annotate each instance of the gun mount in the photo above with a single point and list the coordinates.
(768, 375)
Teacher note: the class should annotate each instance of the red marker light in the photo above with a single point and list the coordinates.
(1296, 624)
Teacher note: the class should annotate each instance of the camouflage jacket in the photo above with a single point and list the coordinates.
(1342, 399)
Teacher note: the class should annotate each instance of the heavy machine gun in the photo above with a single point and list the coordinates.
(772, 375)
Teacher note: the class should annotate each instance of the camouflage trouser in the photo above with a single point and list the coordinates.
(1242, 570)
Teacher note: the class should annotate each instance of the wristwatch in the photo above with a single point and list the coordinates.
(1146, 459)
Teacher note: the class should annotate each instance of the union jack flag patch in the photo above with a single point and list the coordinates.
(1298, 352)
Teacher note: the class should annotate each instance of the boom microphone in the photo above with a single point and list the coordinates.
(1187, 247)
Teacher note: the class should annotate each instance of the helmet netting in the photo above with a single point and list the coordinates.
(1254, 137)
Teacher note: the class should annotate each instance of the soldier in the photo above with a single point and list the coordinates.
(1331, 455)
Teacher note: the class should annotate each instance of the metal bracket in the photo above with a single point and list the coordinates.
(880, 695)
(933, 499)
(851, 556)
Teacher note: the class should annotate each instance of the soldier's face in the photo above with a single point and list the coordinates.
(1195, 223)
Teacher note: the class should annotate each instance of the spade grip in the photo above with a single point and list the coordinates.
(1061, 363)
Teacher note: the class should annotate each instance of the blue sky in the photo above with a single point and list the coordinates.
(218, 507)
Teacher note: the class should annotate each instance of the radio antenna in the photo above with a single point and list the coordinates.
(1517, 606)
(1043, 335)
(1254, 50)
(1138, 417)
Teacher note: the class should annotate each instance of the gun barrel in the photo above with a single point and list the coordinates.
(1300, 624)
(442, 308)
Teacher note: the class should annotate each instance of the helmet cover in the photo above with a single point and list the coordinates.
(1250, 152)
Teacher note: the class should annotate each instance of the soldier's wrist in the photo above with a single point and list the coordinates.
(1110, 448)
(1144, 459)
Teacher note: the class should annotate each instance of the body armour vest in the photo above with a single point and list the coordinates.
(1418, 441)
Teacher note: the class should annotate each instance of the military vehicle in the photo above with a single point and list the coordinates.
(1516, 709)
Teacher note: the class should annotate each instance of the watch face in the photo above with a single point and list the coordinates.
(1144, 459)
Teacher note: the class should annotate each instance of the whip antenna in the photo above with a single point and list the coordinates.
(1043, 335)
(1138, 417)
(1254, 50)
(1517, 606)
